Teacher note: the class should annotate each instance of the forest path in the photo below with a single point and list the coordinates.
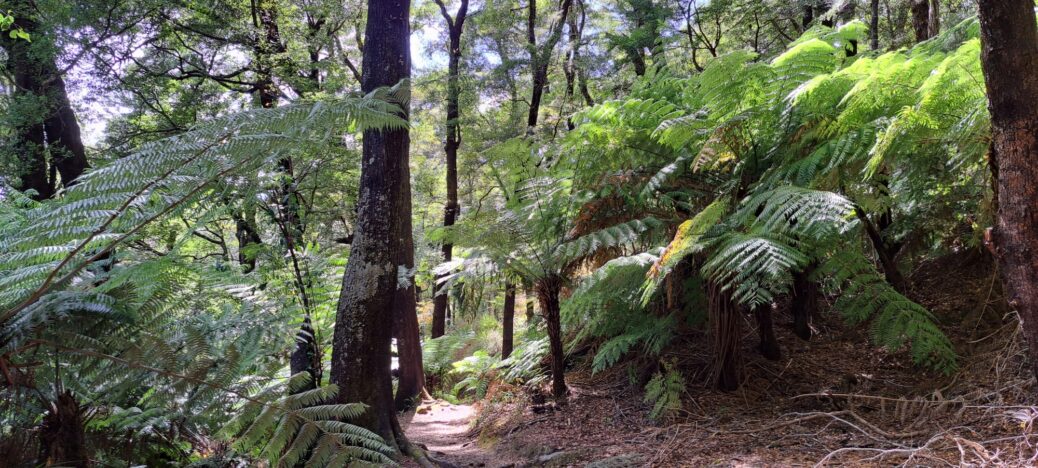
(443, 428)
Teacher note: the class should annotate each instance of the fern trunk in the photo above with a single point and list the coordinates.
(548, 290)
(725, 325)
(305, 357)
(769, 346)
(62, 434)
(1009, 57)
(804, 303)
(528, 297)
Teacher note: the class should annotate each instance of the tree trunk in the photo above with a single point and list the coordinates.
(67, 152)
(804, 304)
(540, 57)
(305, 357)
(874, 25)
(507, 320)
(62, 434)
(405, 308)
(411, 382)
(769, 346)
(548, 290)
(1009, 56)
(245, 233)
(528, 297)
(364, 318)
(455, 26)
(725, 324)
(926, 19)
(886, 251)
(38, 81)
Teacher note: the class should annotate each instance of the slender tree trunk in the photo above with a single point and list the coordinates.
(455, 27)
(725, 324)
(62, 434)
(874, 25)
(548, 290)
(508, 320)
(364, 319)
(1009, 56)
(804, 304)
(306, 356)
(528, 297)
(540, 57)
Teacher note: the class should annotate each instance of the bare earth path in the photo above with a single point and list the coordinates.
(443, 429)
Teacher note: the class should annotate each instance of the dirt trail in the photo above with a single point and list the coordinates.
(443, 429)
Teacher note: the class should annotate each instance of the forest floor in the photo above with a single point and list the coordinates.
(444, 430)
(834, 400)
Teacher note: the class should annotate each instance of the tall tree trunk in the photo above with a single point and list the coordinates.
(725, 325)
(62, 434)
(306, 356)
(548, 290)
(540, 57)
(508, 320)
(364, 318)
(1009, 57)
(455, 27)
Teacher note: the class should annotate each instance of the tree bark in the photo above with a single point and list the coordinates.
(1009, 56)
(411, 382)
(725, 324)
(455, 27)
(364, 318)
(62, 434)
(508, 320)
(874, 25)
(548, 290)
(540, 57)
(245, 233)
(38, 81)
(926, 19)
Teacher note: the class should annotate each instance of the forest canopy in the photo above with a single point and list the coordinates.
(288, 233)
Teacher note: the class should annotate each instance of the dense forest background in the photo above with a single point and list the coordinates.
(286, 233)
